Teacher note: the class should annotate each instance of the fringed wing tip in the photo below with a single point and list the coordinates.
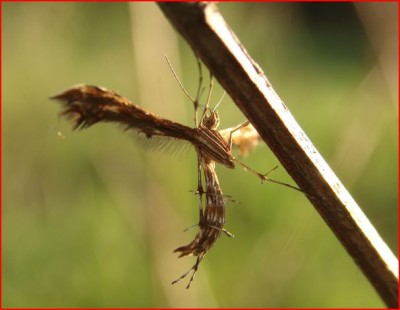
(70, 99)
(185, 250)
(75, 93)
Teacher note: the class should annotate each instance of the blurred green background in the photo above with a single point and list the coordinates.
(90, 219)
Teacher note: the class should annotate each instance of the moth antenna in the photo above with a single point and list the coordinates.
(199, 89)
(178, 80)
(219, 102)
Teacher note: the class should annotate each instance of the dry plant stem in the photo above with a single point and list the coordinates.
(216, 45)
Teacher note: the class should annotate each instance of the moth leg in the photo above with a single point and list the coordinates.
(236, 129)
(194, 269)
(265, 178)
(200, 90)
(229, 234)
(206, 108)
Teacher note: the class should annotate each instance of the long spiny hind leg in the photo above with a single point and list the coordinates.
(265, 178)
(234, 130)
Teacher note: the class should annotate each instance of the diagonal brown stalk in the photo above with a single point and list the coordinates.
(214, 42)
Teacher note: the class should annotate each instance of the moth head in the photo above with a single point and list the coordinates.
(211, 119)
